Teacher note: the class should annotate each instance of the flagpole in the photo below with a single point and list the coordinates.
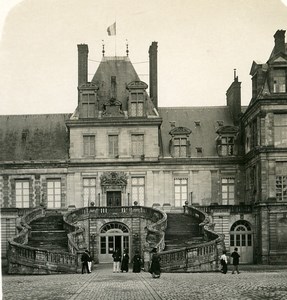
(116, 36)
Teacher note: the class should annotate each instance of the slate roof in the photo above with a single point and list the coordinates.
(202, 136)
(34, 137)
(122, 68)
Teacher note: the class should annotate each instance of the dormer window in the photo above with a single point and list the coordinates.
(137, 98)
(87, 100)
(137, 104)
(179, 143)
(279, 81)
(225, 141)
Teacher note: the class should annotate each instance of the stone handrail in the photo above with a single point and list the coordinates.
(34, 260)
(155, 230)
(195, 258)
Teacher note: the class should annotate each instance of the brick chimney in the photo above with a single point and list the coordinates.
(279, 38)
(233, 99)
(153, 73)
(83, 51)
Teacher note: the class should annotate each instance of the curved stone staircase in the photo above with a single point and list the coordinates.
(48, 233)
(182, 231)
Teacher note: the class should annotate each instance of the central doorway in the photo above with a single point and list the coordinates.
(114, 198)
(113, 235)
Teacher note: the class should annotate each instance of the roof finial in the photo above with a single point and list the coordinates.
(127, 45)
(103, 51)
(234, 71)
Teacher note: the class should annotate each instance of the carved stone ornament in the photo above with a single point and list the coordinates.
(180, 131)
(114, 178)
(138, 85)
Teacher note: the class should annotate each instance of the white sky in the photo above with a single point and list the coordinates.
(200, 42)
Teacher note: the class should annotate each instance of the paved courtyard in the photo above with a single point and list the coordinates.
(103, 284)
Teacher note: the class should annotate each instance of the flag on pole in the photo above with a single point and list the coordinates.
(112, 29)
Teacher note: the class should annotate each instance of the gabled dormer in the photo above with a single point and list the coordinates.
(88, 100)
(226, 141)
(137, 99)
(179, 145)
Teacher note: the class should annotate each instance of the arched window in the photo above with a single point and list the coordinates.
(114, 225)
(241, 234)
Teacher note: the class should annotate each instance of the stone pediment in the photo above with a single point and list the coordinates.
(227, 130)
(138, 85)
(180, 131)
(88, 86)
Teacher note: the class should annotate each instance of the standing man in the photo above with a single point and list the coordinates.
(117, 259)
(235, 257)
(85, 258)
(223, 261)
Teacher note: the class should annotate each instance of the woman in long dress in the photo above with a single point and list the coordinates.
(155, 264)
(125, 262)
(137, 262)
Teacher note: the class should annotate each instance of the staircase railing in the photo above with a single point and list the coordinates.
(23, 259)
(196, 258)
(154, 230)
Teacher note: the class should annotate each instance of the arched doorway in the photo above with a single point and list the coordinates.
(113, 235)
(241, 237)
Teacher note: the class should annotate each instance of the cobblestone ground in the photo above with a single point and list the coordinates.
(103, 284)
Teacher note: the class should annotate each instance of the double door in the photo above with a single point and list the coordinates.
(114, 198)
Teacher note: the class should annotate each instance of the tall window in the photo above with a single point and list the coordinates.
(227, 145)
(180, 147)
(113, 145)
(22, 193)
(138, 187)
(281, 188)
(180, 191)
(89, 145)
(280, 130)
(137, 104)
(89, 186)
(279, 81)
(88, 106)
(54, 193)
(227, 190)
(137, 144)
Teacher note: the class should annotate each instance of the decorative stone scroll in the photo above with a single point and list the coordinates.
(114, 179)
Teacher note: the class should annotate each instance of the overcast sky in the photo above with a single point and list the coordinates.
(200, 42)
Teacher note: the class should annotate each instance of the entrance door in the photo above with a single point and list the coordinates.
(241, 237)
(114, 198)
(113, 235)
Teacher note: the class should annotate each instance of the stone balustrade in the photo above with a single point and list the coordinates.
(197, 258)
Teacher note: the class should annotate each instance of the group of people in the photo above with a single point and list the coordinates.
(121, 263)
(224, 261)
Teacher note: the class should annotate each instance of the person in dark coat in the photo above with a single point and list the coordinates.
(137, 261)
(155, 264)
(117, 260)
(125, 261)
(235, 262)
(85, 258)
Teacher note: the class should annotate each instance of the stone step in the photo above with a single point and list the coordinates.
(48, 235)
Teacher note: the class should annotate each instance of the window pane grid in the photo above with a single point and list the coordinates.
(180, 191)
(227, 190)
(281, 188)
(137, 144)
(89, 145)
(54, 193)
(180, 147)
(138, 189)
(22, 194)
